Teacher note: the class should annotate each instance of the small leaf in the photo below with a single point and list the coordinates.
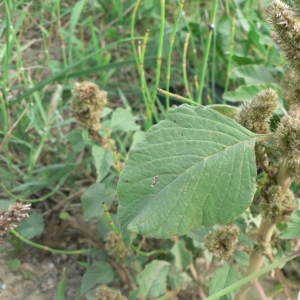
(199, 234)
(93, 198)
(249, 92)
(253, 74)
(224, 109)
(4, 204)
(222, 278)
(32, 226)
(293, 229)
(104, 160)
(137, 136)
(177, 279)
(105, 112)
(14, 264)
(76, 140)
(241, 257)
(123, 120)
(153, 279)
(245, 240)
(97, 273)
(183, 257)
(203, 167)
(133, 295)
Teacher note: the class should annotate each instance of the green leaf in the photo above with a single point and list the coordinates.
(224, 109)
(245, 240)
(103, 227)
(104, 160)
(93, 198)
(14, 264)
(97, 273)
(177, 279)
(4, 204)
(195, 168)
(133, 295)
(32, 226)
(105, 112)
(241, 257)
(199, 234)
(249, 92)
(76, 140)
(222, 278)
(123, 120)
(293, 229)
(153, 279)
(182, 257)
(253, 74)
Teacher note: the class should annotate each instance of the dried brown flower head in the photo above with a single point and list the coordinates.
(256, 115)
(287, 138)
(88, 102)
(287, 31)
(14, 215)
(223, 241)
(115, 246)
(276, 203)
(292, 92)
(105, 293)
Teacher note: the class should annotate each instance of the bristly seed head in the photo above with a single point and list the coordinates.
(287, 31)
(115, 246)
(223, 241)
(103, 292)
(88, 102)
(14, 215)
(256, 115)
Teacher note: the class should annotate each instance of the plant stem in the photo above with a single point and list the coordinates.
(168, 77)
(185, 79)
(230, 54)
(159, 51)
(265, 232)
(17, 235)
(206, 52)
(253, 276)
(189, 101)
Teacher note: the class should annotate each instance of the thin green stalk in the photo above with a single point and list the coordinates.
(63, 45)
(21, 238)
(110, 220)
(197, 19)
(168, 77)
(253, 276)
(206, 52)
(7, 54)
(185, 79)
(139, 58)
(159, 51)
(230, 54)
(183, 99)
(46, 33)
(18, 198)
(61, 292)
(154, 252)
(144, 87)
(150, 111)
(214, 65)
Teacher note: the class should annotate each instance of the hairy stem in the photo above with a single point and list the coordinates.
(265, 232)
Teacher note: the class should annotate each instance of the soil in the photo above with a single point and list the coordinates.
(39, 276)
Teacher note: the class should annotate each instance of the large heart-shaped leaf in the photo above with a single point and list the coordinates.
(195, 168)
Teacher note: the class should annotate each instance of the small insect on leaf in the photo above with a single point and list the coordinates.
(155, 181)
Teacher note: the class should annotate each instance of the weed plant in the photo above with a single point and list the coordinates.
(190, 201)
